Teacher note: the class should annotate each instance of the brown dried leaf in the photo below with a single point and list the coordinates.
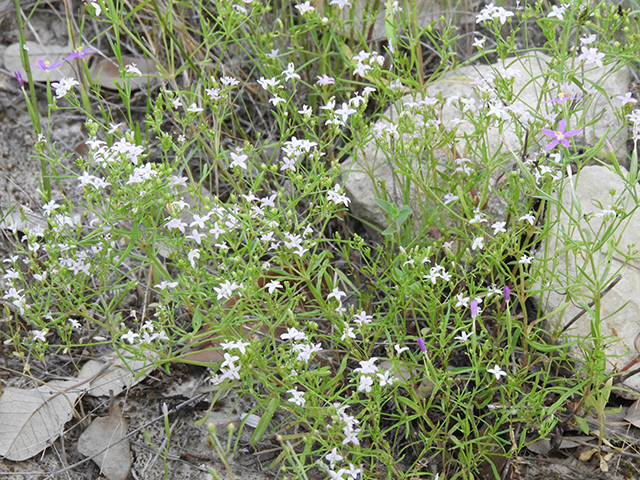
(115, 462)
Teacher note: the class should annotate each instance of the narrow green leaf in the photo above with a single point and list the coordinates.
(263, 424)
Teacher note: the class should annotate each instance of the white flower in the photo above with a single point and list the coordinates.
(529, 217)
(276, 100)
(367, 366)
(344, 112)
(588, 40)
(297, 397)
(305, 7)
(525, 260)
(293, 334)
(449, 197)
(325, 79)
(193, 108)
(479, 42)
(132, 69)
(337, 294)
(462, 301)
(290, 73)
(498, 227)
(39, 335)
(463, 337)
(557, 12)
(362, 318)
(239, 345)
(478, 243)
(130, 336)
(591, 55)
(341, 3)
(63, 86)
(238, 160)
(502, 15)
(272, 285)
(497, 371)
(385, 378)
(400, 349)
(334, 456)
(366, 383)
(226, 289)
(164, 285)
(335, 196)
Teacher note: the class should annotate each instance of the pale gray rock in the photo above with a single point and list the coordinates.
(427, 12)
(583, 221)
(517, 99)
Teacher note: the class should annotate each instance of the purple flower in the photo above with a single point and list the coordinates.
(46, 65)
(562, 98)
(560, 135)
(474, 308)
(79, 53)
(423, 347)
(507, 294)
(18, 75)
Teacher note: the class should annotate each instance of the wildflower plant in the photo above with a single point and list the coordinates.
(222, 211)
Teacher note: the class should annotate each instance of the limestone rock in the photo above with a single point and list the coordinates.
(564, 256)
(519, 81)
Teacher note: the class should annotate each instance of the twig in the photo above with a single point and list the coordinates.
(591, 304)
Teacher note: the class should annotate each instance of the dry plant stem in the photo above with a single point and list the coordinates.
(613, 283)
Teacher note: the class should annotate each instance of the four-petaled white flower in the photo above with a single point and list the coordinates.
(478, 243)
(272, 285)
(297, 397)
(305, 7)
(557, 12)
(238, 160)
(463, 337)
(497, 371)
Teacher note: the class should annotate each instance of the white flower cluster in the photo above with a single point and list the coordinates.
(294, 149)
(491, 12)
(148, 334)
(366, 62)
(228, 369)
(304, 350)
(63, 86)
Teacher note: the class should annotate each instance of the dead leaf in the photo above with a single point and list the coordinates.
(46, 53)
(32, 419)
(633, 414)
(587, 454)
(111, 374)
(115, 462)
(107, 72)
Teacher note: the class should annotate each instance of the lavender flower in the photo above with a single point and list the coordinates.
(507, 294)
(423, 347)
(42, 65)
(80, 53)
(18, 75)
(474, 308)
(560, 135)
